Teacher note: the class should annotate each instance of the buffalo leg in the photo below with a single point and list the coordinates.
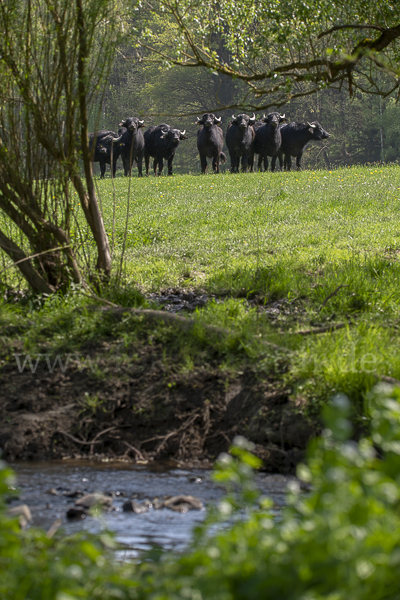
(155, 163)
(139, 161)
(298, 161)
(126, 165)
(234, 164)
(260, 159)
(102, 168)
(265, 162)
(273, 162)
(160, 165)
(215, 164)
(147, 162)
(288, 162)
(251, 163)
(170, 165)
(203, 163)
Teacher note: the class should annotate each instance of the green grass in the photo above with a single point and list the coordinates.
(293, 237)
(215, 232)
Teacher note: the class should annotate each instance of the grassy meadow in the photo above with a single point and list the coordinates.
(281, 255)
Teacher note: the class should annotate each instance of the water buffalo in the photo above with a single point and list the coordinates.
(132, 140)
(210, 141)
(105, 145)
(240, 140)
(295, 136)
(161, 143)
(267, 141)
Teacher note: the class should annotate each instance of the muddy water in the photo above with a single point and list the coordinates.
(164, 527)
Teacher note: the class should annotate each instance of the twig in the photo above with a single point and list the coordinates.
(91, 295)
(34, 256)
(165, 438)
(54, 528)
(321, 329)
(98, 435)
(139, 454)
(217, 433)
(343, 285)
(83, 442)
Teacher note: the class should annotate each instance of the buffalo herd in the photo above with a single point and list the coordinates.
(246, 137)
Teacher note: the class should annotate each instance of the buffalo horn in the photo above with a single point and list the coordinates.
(282, 116)
(111, 138)
(141, 122)
(233, 117)
(183, 132)
(311, 125)
(218, 119)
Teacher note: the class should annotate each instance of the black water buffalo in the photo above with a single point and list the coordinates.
(240, 141)
(210, 141)
(106, 145)
(132, 140)
(161, 143)
(267, 141)
(295, 136)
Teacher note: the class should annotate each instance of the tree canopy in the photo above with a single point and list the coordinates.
(283, 50)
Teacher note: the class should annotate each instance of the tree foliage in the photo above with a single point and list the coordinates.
(284, 50)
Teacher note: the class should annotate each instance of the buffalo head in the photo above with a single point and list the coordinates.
(132, 124)
(208, 119)
(317, 131)
(174, 135)
(243, 121)
(274, 119)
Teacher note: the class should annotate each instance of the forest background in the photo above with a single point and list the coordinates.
(364, 127)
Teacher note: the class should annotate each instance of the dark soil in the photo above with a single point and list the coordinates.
(142, 410)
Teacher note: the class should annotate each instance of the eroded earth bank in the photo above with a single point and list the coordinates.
(128, 392)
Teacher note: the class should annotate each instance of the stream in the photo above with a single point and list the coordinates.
(42, 486)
